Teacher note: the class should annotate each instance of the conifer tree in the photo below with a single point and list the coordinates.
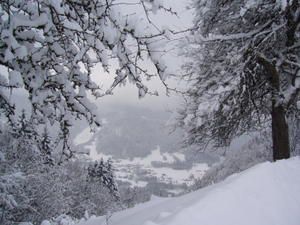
(102, 172)
(46, 148)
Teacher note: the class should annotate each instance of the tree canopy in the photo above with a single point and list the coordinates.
(244, 70)
(49, 48)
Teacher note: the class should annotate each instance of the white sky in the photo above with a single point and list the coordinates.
(129, 93)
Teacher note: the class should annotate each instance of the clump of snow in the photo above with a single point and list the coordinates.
(15, 79)
(45, 222)
(248, 5)
(83, 137)
(61, 220)
(282, 4)
(265, 194)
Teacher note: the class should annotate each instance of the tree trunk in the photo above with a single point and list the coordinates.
(280, 133)
(280, 130)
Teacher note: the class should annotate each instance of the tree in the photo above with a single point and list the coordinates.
(102, 172)
(12, 195)
(49, 48)
(23, 139)
(244, 71)
(46, 147)
(22, 128)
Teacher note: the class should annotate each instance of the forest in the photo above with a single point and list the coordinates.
(149, 112)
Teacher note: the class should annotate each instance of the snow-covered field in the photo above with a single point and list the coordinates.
(127, 169)
(266, 194)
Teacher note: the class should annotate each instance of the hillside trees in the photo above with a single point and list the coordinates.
(102, 173)
(49, 48)
(34, 188)
(244, 71)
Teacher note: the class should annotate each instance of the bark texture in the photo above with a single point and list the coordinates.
(280, 130)
(280, 134)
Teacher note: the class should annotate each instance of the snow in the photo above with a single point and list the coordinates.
(22, 20)
(15, 79)
(45, 222)
(125, 167)
(292, 89)
(157, 156)
(8, 55)
(72, 25)
(252, 3)
(164, 174)
(266, 194)
(282, 4)
(83, 137)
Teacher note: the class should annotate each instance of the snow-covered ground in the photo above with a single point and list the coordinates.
(266, 194)
(127, 169)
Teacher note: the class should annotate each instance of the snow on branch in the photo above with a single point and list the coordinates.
(49, 48)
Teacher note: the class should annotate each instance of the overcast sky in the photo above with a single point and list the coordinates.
(129, 93)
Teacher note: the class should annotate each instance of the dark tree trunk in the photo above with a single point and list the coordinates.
(280, 134)
(280, 130)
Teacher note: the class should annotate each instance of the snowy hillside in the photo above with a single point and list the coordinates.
(170, 168)
(131, 171)
(143, 155)
(267, 194)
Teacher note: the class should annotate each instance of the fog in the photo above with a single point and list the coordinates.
(128, 94)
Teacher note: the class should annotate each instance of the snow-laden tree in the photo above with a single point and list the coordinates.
(22, 144)
(244, 71)
(102, 173)
(12, 194)
(46, 146)
(49, 48)
(33, 187)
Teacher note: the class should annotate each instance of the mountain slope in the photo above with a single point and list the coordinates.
(142, 151)
(267, 194)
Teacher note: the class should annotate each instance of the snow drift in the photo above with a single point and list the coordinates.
(266, 194)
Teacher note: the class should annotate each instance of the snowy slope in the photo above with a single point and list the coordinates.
(267, 194)
(137, 171)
